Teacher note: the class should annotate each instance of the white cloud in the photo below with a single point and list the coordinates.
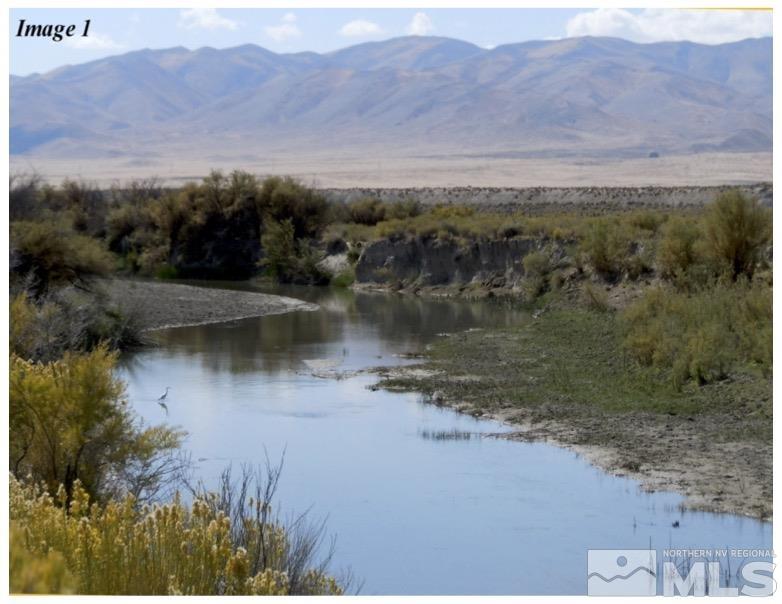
(660, 24)
(286, 30)
(420, 25)
(204, 18)
(93, 42)
(360, 28)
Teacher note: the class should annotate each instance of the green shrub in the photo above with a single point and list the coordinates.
(24, 199)
(24, 337)
(123, 225)
(166, 271)
(536, 264)
(678, 248)
(705, 335)
(595, 298)
(69, 421)
(344, 279)
(368, 211)
(407, 208)
(450, 222)
(154, 261)
(536, 268)
(737, 231)
(172, 212)
(307, 271)
(557, 279)
(641, 260)
(349, 232)
(286, 199)
(707, 356)
(753, 320)
(288, 260)
(279, 247)
(607, 247)
(44, 328)
(646, 220)
(52, 254)
(395, 229)
(85, 205)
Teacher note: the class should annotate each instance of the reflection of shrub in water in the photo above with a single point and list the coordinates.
(453, 434)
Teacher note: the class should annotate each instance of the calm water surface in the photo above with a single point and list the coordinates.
(412, 513)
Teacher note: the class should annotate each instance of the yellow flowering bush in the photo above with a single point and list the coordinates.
(69, 420)
(33, 573)
(121, 548)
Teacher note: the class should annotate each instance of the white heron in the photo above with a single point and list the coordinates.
(163, 398)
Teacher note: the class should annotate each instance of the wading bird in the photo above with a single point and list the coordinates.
(162, 398)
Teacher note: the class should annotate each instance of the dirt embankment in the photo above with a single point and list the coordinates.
(449, 267)
(162, 305)
(536, 200)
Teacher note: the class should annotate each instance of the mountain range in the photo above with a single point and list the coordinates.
(575, 96)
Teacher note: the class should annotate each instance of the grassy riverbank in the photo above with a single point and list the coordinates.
(566, 376)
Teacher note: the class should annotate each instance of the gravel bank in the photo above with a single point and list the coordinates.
(162, 305)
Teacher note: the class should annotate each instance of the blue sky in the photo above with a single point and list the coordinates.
(114, 31)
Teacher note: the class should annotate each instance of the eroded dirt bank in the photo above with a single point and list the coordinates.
(161, 305)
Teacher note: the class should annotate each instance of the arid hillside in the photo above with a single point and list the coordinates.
(404, 97)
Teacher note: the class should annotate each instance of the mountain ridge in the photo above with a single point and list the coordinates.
(588, 95)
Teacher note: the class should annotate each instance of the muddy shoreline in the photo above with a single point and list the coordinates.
(163, 305)
(678, 455)
(713, 445)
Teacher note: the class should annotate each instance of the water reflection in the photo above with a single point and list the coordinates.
(420, 500)
(359, 328)
(440, 435)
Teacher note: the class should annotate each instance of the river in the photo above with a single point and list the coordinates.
(420, 500)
